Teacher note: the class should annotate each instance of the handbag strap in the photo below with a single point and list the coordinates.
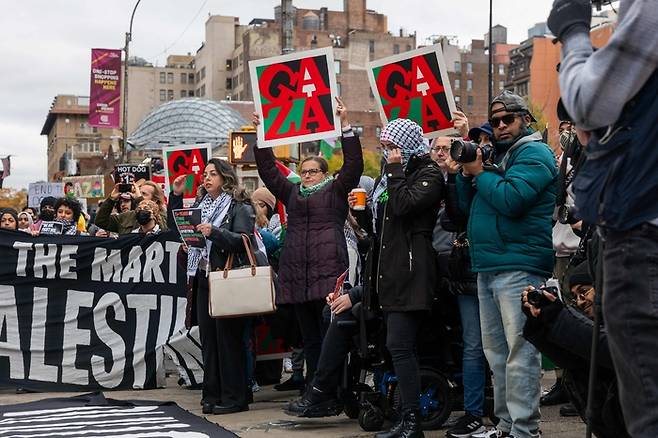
(250, 254)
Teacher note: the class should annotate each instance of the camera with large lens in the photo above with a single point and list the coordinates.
(567, 215)
(466, 151)
(537, 298)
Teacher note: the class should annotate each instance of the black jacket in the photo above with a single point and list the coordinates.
(401, 265)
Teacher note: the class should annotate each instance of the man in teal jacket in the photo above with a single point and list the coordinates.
(510, 204)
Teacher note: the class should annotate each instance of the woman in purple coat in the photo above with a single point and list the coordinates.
(314, 252)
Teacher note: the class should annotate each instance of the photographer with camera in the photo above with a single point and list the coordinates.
(510, 205)
(611, 95)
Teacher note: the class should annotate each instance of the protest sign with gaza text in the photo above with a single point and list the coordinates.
(414, 85)
(295, 95)
(189, 160)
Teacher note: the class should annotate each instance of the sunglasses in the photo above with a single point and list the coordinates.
(507, 119)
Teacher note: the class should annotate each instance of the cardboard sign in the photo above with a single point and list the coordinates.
(129, 173)
(37, 191)
(295, 96)
(186, 222)
(241, 147)
(51, 228)
(88, 186)
(187, 160)
(414, 85)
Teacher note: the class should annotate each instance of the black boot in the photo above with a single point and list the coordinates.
(313, 404)
(408, 426)
(555, 396)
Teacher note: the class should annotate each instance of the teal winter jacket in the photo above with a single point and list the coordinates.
(510, 210)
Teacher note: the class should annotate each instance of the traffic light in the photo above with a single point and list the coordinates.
(241, 147)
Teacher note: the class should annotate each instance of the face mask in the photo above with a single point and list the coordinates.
(47, 215)
(566, 137)
(143, 217)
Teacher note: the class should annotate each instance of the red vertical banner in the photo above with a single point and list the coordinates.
(105, 89)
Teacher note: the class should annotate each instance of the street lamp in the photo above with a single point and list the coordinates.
(490, 75)
(124, 127)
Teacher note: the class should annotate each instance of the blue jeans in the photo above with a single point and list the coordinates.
(515, 363)
(630, 312)
(473, 361)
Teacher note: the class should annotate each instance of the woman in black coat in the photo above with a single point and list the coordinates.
(401, 270)
(227, 213)
(314, 252)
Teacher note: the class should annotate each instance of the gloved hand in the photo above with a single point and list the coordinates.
(569, 15)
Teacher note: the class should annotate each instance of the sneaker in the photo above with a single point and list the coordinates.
(255, 387)
(465, 427)
(491, 433)
(287, 365)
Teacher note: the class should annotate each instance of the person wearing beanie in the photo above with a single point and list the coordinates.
(46, 213)
(8, 219)
(582, 287)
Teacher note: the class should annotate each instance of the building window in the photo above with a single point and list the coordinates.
(190, 93)
(501, 85)
(163, 95)
(469, 68)
(469, 102)
(378, 131)
(337, 67)
(469, 85)
(338, 88)
(457, 84)
(501, 69)
(170, 78)
(229, 83)
(183, 93)
(457, 99)
(229, 64)
(183, 78)
(170, 94)
(241, 58)
(458, 67)
(358, 130)
(203, 90)
(196, 92)
(163, 77)
(190, 78)
(371, 46)
(522, 89)
(203, 73)
(396, 49)
(197, 78)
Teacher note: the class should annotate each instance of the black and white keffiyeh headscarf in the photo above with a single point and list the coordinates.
(212, 212)
(408, 136)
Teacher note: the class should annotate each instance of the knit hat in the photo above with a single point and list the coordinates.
(580, 275)
(262, 194)
(48, 200)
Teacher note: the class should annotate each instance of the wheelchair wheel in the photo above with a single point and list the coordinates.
(435, 399)
(371, 419)
(351, 409)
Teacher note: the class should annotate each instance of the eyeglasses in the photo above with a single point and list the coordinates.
(507, 119)
(310, 172)
(583, 291)
(444, 149)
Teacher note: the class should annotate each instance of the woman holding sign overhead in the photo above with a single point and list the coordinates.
(226, 214)
(314, 252)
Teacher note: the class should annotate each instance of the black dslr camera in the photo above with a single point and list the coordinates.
(465, 151)
(537, 298)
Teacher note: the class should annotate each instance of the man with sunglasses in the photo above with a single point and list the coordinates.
(510, 206)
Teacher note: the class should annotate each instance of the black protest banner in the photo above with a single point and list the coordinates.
(84, 313)
(94, 416)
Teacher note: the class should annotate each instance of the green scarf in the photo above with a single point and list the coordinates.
(308, 191)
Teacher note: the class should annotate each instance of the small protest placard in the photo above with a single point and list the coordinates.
(129, 173)
(51, 228)
(186, 222)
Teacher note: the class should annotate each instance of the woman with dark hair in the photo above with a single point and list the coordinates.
(8, 219)
(314, 252)
(68, 211)
(226, 214)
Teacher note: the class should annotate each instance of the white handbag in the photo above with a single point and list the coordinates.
(243, 291)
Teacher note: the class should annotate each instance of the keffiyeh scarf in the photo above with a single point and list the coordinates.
(213, 212)
(308, 191)
(408, 136)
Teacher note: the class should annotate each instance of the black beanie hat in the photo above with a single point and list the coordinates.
(48, 200)
(580, 275)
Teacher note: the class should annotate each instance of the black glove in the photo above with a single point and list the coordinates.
(569, 15)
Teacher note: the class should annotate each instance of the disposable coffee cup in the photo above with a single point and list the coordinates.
(360, 195)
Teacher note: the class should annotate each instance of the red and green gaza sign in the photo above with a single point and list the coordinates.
(414, 85)
(295, 97)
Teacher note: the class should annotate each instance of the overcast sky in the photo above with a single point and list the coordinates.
(45, 47)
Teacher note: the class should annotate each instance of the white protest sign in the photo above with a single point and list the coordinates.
(39, 190)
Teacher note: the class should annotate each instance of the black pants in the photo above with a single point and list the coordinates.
(337, 344)
(630, 311)
(224, 353)
(401, 333)
(309, 317)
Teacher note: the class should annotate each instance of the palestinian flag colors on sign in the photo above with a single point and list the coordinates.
(295, 97)
(414, 85)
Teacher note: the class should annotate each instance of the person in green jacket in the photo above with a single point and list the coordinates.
(510, 204)
(126, 222)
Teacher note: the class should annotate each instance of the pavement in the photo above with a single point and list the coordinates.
(266, 419)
